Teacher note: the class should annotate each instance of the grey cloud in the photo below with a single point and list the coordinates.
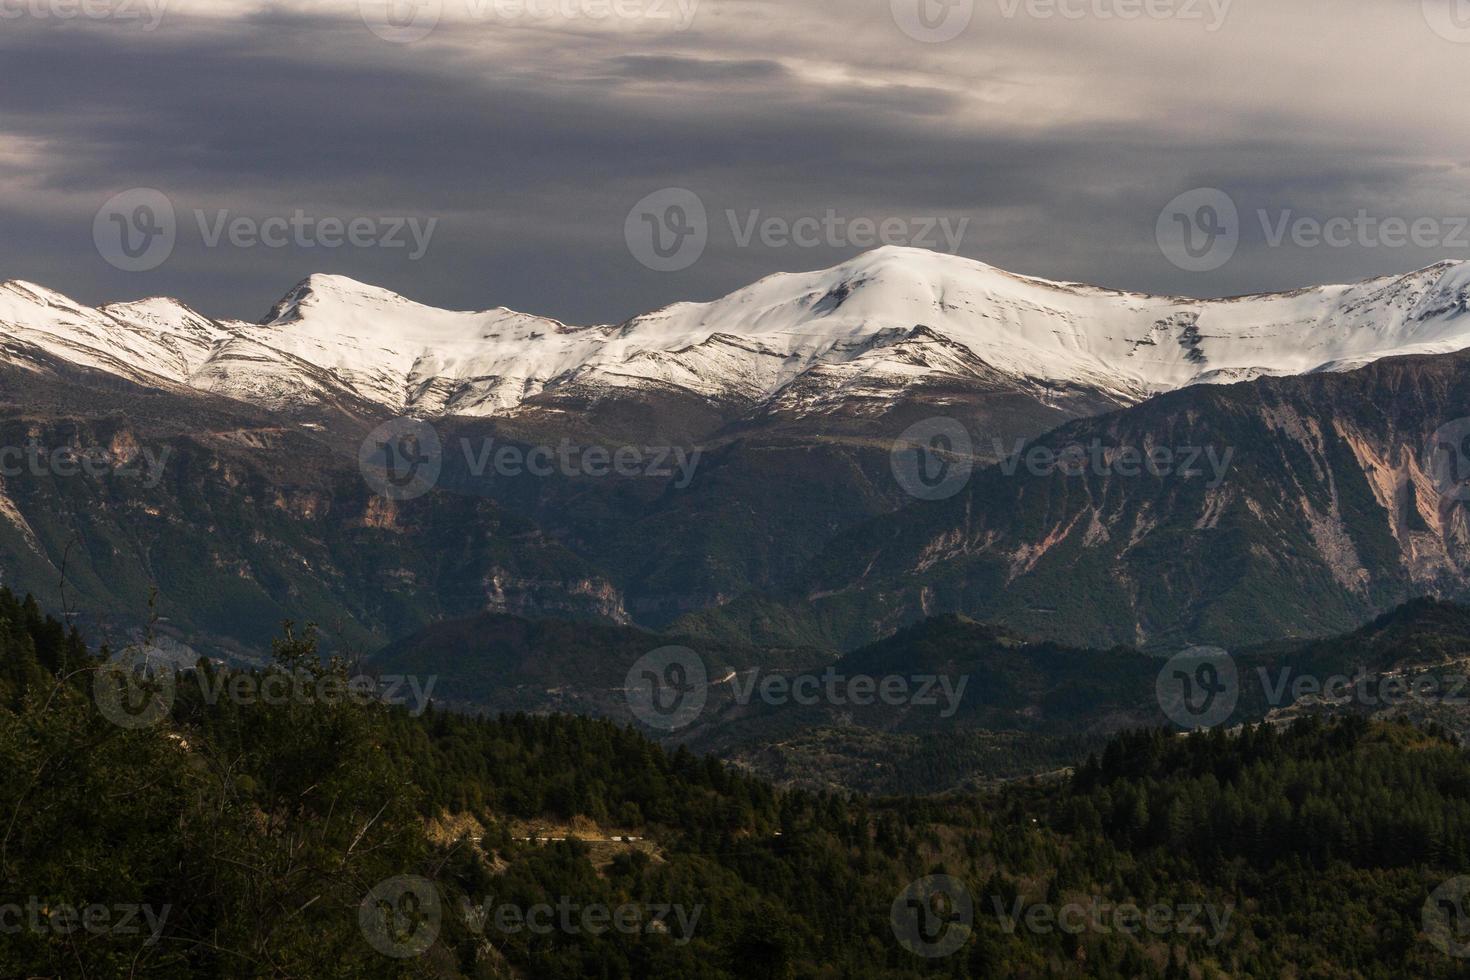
(530, 146)
(668, 68)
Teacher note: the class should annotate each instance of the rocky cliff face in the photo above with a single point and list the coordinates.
(1275, 508)
(240, 522)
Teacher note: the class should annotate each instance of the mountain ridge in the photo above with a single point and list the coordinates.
(866, 332)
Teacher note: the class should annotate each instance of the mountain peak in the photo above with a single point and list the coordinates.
(33, 293)
(326, 290)
(160, 315)
(905, 263)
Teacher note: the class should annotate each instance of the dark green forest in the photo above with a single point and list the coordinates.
(246, 838)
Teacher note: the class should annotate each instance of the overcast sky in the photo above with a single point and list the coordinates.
(1053, 133)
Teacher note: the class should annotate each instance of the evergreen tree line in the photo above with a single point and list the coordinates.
(265, 829)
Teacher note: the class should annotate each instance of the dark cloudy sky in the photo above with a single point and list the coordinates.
(529, 136)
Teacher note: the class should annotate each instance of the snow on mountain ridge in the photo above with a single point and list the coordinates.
(149, 341)
(415, 357)
(877, 324)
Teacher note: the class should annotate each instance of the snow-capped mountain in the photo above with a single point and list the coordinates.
(882, 323)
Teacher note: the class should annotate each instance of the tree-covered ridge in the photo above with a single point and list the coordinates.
(999, 705)
(255, 831)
